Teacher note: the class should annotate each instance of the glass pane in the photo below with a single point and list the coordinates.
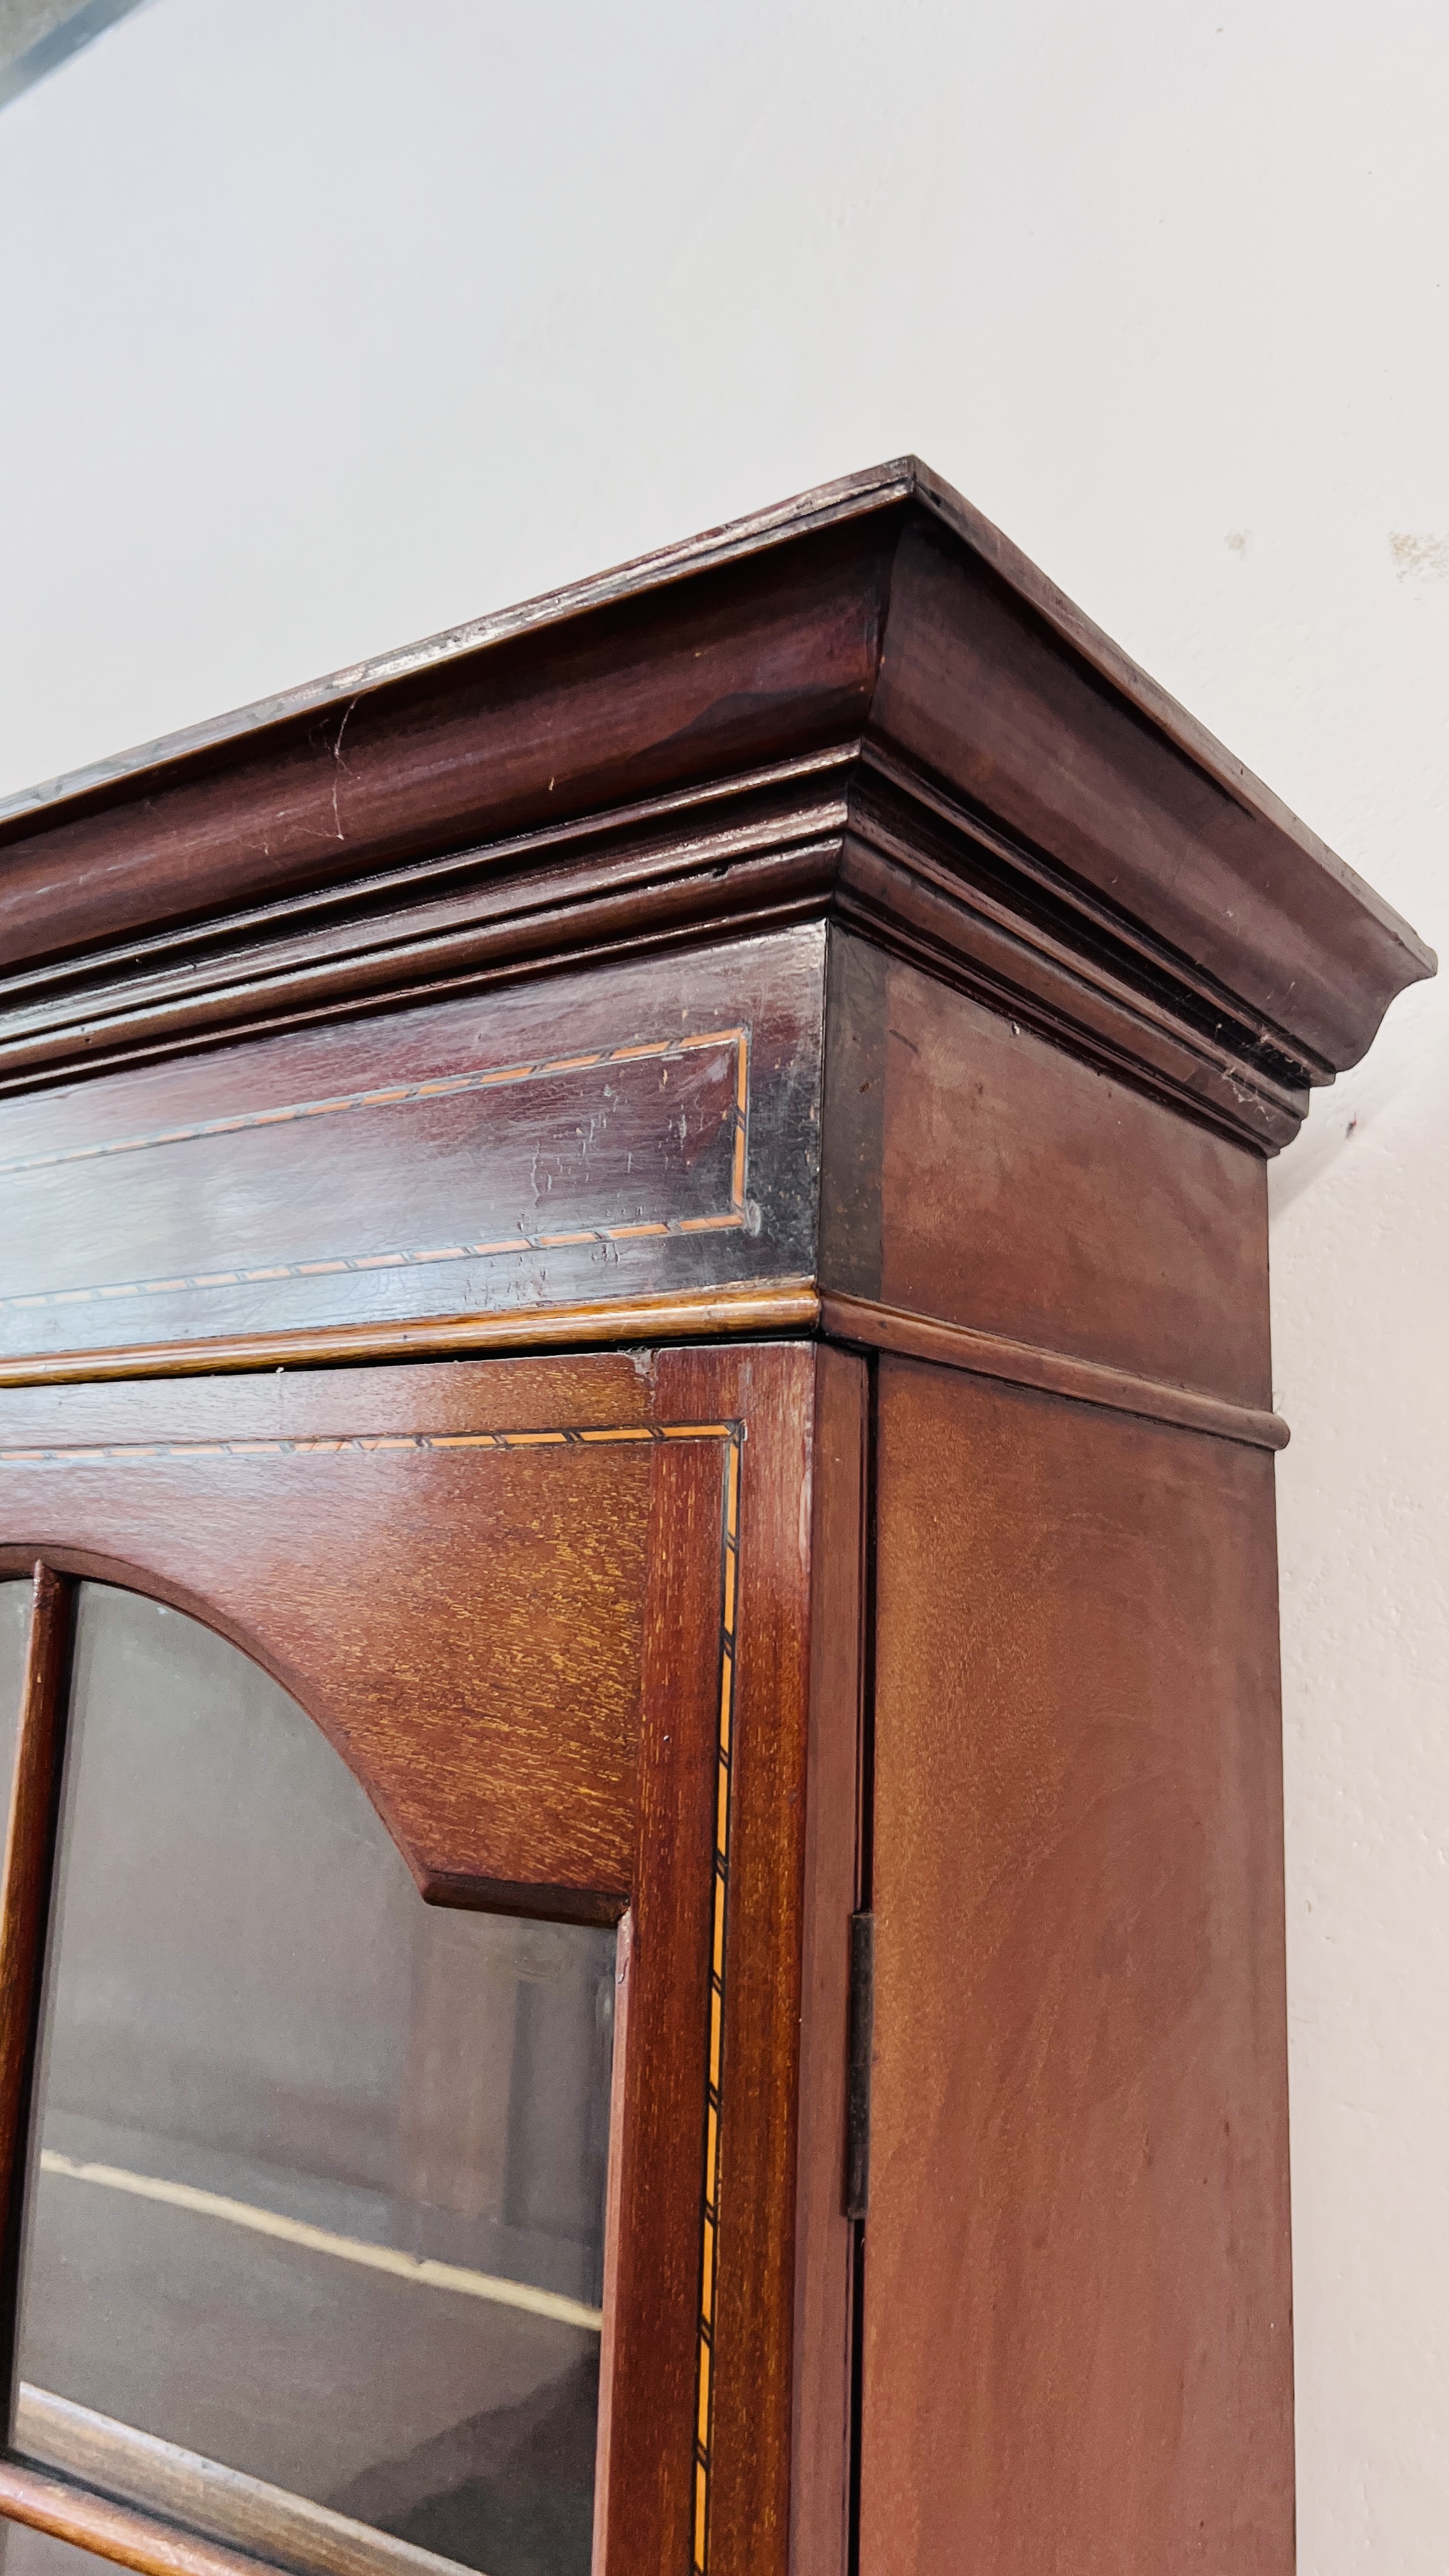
(318, 2185)
(24, 2552)
(15, 1600)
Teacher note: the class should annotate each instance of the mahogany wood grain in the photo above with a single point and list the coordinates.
(343, 1528)
(820, 2432)
(777, 1306)
(631, 697)
(594, 1390)
(860, 1321)
(818, 928)
(975, 692)
(613, 1134)
(791, 1306)
(882, 608)
(521, 1649)
(944, 889)
(773, 1392)
(660, 2140)
(978, 1175)
(837, 835)
(25, 1889)
(1078, 2305)
(765, 2157)
(501, 1752)
(715, 859)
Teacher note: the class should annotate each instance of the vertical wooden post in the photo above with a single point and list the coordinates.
(25, 1886)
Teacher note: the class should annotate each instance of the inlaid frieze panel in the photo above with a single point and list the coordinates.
(619, 1132)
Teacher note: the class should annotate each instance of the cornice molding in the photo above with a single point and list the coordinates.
(863, 704)
(844, 836)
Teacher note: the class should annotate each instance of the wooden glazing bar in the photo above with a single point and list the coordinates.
(263, 2521)
(112, 2531)
(25, 1885)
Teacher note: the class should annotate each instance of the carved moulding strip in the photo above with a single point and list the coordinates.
(637, 877)
(51, 2506)
(731, 1218)
(867, 1325)
(687, 1314)
(775, 1306)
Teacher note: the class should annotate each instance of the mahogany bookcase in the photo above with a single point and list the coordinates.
(658, 1208)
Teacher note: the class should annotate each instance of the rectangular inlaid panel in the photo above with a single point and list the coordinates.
(618, 1132)
(978, 1173)
(1077, 2300)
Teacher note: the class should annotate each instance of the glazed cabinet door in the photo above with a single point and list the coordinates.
(404, 1917)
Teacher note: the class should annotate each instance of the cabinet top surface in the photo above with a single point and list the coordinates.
(876, 625)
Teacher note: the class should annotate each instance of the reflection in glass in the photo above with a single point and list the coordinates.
(274, 2087)
(24, 2552)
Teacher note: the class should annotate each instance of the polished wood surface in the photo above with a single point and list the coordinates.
(512, 1779)
(877, 635)
(666, 1697)
(976, 1174)
(960, 1170)
(792, 1306)
(613, 1134)
(1078, 2307)
(783, 1306)
(1168, 828)
(820, 930)
(661, 2333)
(774, 1393)
(25, 1897)
(824, 2242)
(763, 852)
(868, 1326)
(637, 697)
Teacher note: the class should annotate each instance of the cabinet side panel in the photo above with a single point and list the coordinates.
(977, 1173)
(1077, 2336)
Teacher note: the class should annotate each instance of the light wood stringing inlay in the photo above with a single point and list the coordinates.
(728, 1219)
(731, 1434)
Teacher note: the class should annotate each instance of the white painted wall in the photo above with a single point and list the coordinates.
(324, 323)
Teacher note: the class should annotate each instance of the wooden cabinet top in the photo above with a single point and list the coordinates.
(863, 704)
(818, 925)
